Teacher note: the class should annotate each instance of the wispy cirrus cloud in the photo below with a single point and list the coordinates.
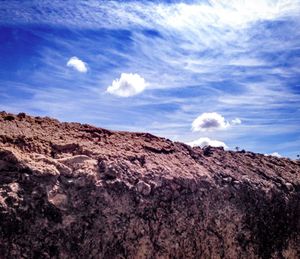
(236, 121)
(233, 13)
(202, 41)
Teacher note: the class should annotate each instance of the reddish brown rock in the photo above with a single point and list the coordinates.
(75, 191)
(143, 188)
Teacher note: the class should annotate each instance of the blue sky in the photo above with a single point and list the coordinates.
(157, 66)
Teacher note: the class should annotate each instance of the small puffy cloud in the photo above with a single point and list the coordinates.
(236, 121)
(276, 154)
(212, 121)
(202, 142)
(77, 64)
(127, 85)
(209, 121)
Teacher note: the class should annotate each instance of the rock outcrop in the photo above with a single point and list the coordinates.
(75, 191)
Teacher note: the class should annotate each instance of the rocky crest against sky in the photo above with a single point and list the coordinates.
(69, 190)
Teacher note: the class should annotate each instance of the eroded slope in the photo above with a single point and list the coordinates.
(75, 191)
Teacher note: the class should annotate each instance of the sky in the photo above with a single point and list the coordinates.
(219, 72)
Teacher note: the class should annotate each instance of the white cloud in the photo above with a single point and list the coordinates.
(213, 121)
(127, 85)
(77, 64)
(276, 154)
(126, 13)
(202, 142)
(209, 121)
(236, 121)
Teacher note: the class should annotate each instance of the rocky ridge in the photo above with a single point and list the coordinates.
(69, 190)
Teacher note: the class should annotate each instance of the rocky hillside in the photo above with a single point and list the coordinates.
(69, 190)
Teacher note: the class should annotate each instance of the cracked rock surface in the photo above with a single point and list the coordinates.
(69, 190)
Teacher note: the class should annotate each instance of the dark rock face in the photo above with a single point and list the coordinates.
(75, 191)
